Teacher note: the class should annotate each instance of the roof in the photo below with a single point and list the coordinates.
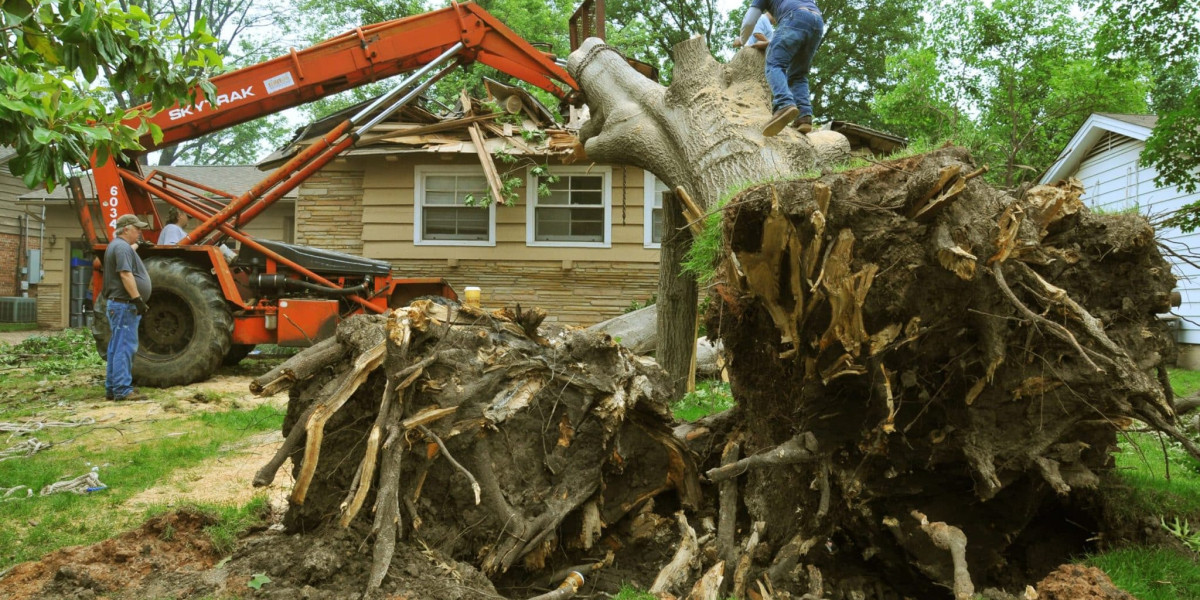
(878, 142)
(1137, 127)
(6, 153)
(234, 179)
(414, 129)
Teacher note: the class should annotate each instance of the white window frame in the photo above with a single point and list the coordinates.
(531, 199)
(650, 197)
(420, 172)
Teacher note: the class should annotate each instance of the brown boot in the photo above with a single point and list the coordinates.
(779, 120)
(804, 124)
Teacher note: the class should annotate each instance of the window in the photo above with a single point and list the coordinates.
(441, 214)
(654, 190)
(573, 211)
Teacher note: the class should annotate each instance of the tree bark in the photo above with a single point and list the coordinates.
(677, 297)
(703, 133)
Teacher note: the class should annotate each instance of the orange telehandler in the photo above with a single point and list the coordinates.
(205, 310)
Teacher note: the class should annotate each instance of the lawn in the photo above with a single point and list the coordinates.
(58, 380)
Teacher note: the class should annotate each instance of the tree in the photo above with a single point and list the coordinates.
(238, 28)
(850, 67)
(648, 31)
(534, 20)
(51, 61)
(1162, 37)
(1023, 71)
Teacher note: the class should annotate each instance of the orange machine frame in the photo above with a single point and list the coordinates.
(457, 35)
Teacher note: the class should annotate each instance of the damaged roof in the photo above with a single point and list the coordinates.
(415, 129)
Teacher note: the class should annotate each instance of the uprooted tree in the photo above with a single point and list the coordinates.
(928, 372)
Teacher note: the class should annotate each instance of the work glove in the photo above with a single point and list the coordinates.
(144, 245)
(142, 307)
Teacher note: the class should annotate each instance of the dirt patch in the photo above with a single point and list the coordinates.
(170, 543)
(226, 480)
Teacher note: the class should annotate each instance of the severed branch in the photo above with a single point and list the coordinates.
(676, 571)
(315, 428)
(728, 498)
(801, 448)
(298, 368)
(366, 470)
(566, 589)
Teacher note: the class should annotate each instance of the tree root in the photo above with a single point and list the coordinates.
(801, 448)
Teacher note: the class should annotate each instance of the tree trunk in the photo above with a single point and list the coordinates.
(703, 133)
(677, 300)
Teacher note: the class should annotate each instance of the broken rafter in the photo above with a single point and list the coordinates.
(485, 158)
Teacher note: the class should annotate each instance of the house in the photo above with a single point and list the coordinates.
(20, 243)
(63, 293)
(1103, 155)
(578, 239)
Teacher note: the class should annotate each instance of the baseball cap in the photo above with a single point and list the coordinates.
(124, 220)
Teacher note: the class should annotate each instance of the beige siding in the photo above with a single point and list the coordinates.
(10, 188)
(576, 284)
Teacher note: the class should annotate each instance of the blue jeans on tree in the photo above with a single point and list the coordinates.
(789, 57)
(123, 320)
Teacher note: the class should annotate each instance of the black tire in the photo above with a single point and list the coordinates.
(236, 353)
(186, 334)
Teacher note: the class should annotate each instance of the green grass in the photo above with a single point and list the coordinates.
(628, 592)
(231, 519)
(131, 457)
(710, 397)
(1151, 573)
(1142, 467)
(1184, 383)
(18, 326)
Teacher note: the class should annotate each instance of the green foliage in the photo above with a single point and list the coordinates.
(1162, 37)
(851, 65)
(709, 398)
(60, 353)
(648, 30)
(635, 305)
(1182, 530)
(702, 258)
(1012, 80)
(51, 61)
(1151, 573)
(258, 580)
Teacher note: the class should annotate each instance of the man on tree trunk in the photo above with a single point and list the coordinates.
(789, 58)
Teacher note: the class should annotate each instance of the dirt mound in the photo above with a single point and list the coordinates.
(171, 543)
(1076, 582)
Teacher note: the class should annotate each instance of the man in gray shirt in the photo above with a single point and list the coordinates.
(127, 287)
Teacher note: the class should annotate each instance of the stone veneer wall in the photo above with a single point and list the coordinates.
(589, 293)
(329, 211)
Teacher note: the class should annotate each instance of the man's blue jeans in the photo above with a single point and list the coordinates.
(123, 321)
(789, 58)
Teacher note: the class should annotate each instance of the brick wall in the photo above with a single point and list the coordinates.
(11, 260)
(589, 293)
(8, 264)
(330, 208)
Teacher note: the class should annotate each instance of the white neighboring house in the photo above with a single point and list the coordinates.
(1104, 156)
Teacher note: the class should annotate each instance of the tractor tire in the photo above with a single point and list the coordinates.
(187, 332)
(236, 353)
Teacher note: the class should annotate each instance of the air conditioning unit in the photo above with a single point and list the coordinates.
(18, 310)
